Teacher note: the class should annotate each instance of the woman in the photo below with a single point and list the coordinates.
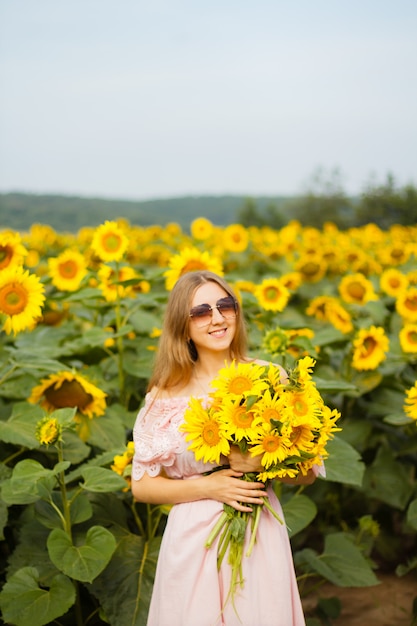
(204, 329)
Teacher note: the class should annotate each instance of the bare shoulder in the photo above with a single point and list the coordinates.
(168, 394)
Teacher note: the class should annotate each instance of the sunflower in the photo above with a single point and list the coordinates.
(318, 307)
(393, 281)
(408, 338)
(238, 419)
(406, 304)
(241, 380)
(206, 432)
(356, 289)
(235, 238)
(111, 282)
(21, 299)
(272, 295)
(298, 339)
(190, 260)
(201, 229)
(268, 408)
(339, 317)
(12, 251)
(67, 270)
(68, 389)
(369, 348)
(312, 267)
(122, 463)
(292, 280)
(410, 406)
(109, 242)
(275, 341)
(272, 446)
(48, 431)
(301, 436)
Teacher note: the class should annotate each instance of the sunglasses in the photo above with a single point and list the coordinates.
(203, 313)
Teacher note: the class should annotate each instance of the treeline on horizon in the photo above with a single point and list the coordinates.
(384, 204)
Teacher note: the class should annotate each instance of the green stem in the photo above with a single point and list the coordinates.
(254, 529)
(223, 545)
(14, 455)
(8, 374)
(64, 495)
(216, 529)
(137, 518)
(120, 350)
(272, 510)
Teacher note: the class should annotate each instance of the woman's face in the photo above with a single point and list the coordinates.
(213, 331)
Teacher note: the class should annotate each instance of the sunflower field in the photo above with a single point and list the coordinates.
(80, 319)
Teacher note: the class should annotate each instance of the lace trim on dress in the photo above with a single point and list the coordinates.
(156, 435)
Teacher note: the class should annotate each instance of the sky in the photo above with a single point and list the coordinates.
(163, 98)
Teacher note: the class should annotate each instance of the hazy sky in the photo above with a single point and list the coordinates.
(135, 99)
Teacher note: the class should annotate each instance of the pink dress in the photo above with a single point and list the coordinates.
(188, 589)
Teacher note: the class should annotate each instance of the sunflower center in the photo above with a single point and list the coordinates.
(357, 291)
(210, 433)
(192, 266)
(300, 406)
(270, 414)
(6, 254)
(412, 337)
(296, 434)
(70, 394)
(271, 294)
(369, 346)
(13, 299)
(310, 268)
(242, 418)
(240, 384)
(68, 269)
(411, 304)
(270, 443)
(111, 242)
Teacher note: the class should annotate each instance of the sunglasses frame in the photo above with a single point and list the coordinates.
(208, 310)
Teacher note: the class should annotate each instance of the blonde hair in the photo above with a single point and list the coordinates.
(176, 353)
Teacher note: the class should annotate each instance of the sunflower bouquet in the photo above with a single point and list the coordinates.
(283, 422)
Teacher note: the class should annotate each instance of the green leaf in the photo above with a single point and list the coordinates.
(341, 563)
(106, 432)
(102, 480)
(366, 381)
(398, 419)
(124, 588)
(25, 603)
(334, 385)
(299, 511)
(29, 482)
(388, 480)
(21, 426)
(80, 510)
(3, 517)
(81, 562)
(412, 514)
(343, 464)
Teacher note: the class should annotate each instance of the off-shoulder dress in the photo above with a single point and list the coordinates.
(188, 589)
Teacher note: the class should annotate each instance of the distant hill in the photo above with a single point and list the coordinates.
(19, 211)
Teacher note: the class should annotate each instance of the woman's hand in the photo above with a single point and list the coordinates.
(243, 461)
(308, 479)
(226, 486)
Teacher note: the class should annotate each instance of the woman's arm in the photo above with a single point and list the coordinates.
(222, 485)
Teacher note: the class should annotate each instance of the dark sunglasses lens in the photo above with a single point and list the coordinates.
(227, 307)
(201, 313)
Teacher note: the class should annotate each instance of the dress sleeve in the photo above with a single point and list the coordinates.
(156, 437)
